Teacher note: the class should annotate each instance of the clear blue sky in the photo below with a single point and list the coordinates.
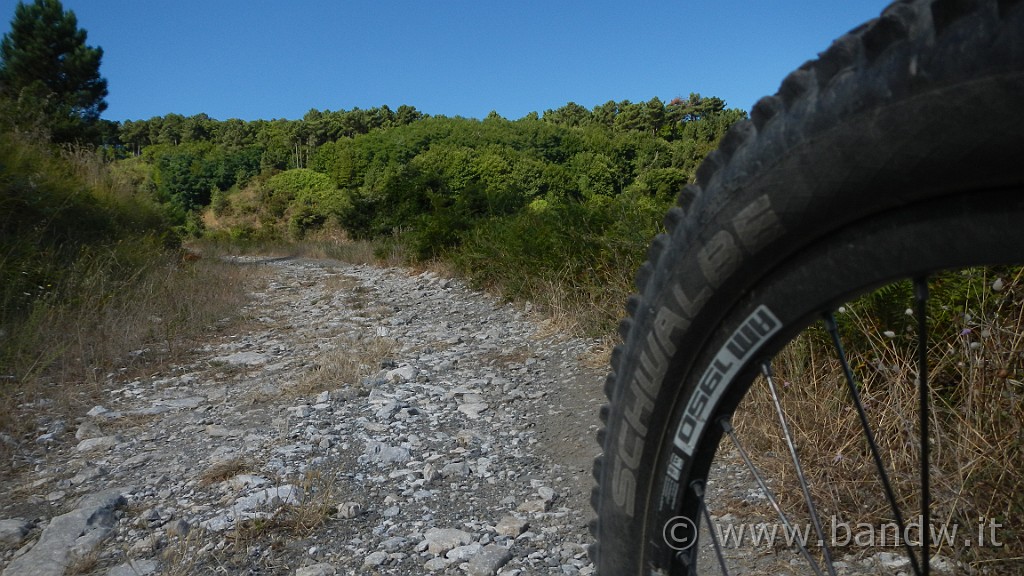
(268, 59)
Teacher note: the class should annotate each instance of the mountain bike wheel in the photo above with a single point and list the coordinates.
(896, 154)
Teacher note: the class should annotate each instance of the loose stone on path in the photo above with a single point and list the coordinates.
(330, 459)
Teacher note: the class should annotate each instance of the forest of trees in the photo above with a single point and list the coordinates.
(433, 178)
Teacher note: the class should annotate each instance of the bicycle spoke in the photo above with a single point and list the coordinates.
(921, 297)
(833, 330)
(698, 489)
(730, 431)
(811, 508)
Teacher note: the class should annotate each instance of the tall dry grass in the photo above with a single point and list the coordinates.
(93, 287)
(66, 352)
(977, 396)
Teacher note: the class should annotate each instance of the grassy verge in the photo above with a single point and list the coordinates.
(65, 351)
(576, 261)
(92, 287)
(324, 244)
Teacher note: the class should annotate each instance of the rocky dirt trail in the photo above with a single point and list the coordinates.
(363, 420)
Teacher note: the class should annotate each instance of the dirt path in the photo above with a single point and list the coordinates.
(362, 421)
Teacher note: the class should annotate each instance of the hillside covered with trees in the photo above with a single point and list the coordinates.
(571, 196)
(378, 170)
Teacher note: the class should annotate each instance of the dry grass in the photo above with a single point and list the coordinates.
(302, 519)
(326, 244)
(341, 283)
(186, 555)
(346, 365)
(437, 266)
(505, 357)
(572, 310)
(566, 311)
(336, 245)
(127, 423)
(976, 421)
(67, 353)
(599, 357)
(200, 552)
(84, 563)
(224, 470)
(586, 310)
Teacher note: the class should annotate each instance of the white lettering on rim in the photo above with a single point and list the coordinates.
(744, 342)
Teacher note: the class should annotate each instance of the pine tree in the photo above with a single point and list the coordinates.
(49, 76)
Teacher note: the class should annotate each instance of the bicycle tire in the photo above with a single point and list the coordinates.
(897, 152)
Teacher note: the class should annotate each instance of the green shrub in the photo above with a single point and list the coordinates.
(307, 198)
(585, 253)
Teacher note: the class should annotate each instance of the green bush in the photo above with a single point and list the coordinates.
(307, 198)
(588, 251)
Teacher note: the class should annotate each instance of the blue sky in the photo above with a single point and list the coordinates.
(268, 59)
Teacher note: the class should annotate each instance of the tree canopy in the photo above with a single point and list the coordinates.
(49, 76)
(376, 173)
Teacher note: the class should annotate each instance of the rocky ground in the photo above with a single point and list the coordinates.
(363, 421)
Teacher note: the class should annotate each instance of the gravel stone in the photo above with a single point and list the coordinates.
(441, 540)
(489, 560)
(375, 559)
(511, 526)
(322, 569)
(13, 532)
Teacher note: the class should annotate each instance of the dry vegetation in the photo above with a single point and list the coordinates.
(66, 354)
(324, 245)
(94, 288)
(270, 531)
(976, 418)
(351, 361)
